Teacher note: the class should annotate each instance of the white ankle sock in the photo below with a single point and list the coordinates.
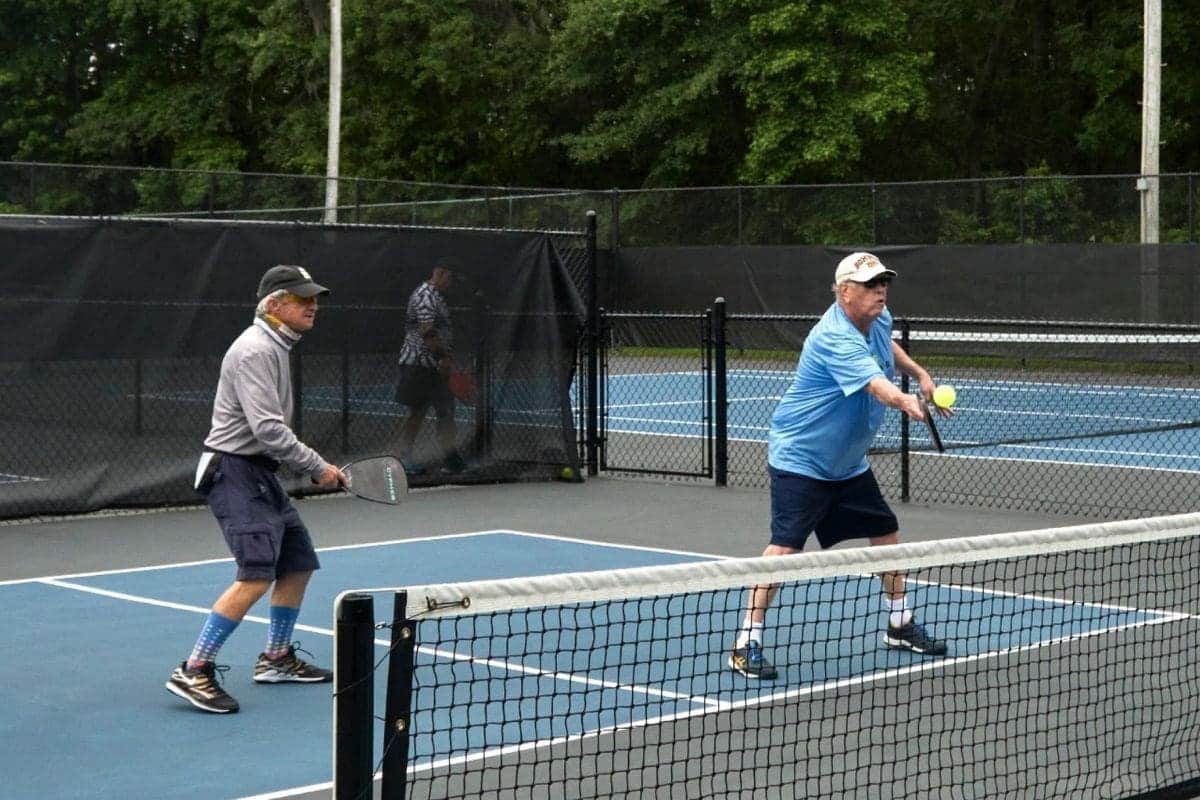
(899, 614)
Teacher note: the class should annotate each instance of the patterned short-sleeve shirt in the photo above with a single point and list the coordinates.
(426, 304)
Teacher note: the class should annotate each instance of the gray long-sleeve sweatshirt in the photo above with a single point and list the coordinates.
(253, 408)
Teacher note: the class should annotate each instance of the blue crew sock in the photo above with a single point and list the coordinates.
(279, 637)
(214, 633)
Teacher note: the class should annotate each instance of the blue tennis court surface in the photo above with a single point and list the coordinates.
(86, 657)
(1055, 414)
(671, 404)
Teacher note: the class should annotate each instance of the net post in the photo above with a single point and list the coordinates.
(721, 396)
(353, 697)
(399, 702)
(593, 349)
(904, 427)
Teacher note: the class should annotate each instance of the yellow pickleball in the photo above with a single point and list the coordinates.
(944, 396)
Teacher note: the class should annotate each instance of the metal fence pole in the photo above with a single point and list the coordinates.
(720, 396)
(593, 351)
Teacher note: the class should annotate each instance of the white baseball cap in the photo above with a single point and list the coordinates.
(860, 268)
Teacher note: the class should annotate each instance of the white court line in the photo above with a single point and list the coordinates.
(150, 601)
(708, 705)
(330, 548)
(1100, 451)
(1059, 461)
(435, 652)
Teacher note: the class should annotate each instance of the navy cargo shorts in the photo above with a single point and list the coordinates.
(837, 510)
(262, 528)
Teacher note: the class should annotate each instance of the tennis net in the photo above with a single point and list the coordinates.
(1071, 672)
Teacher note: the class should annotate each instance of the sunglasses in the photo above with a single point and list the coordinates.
(300, 301)
(882, 280)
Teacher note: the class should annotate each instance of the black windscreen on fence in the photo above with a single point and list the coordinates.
(115, 329)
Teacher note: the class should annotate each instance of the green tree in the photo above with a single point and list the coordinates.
(54, 56)
(761, 91)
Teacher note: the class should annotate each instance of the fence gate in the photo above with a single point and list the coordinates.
(656, 394)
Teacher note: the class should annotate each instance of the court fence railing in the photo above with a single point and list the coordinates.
(1094, 419)
(1018, 209)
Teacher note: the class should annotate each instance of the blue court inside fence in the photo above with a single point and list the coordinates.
(1011, 412)
(1030, 420)
(86, 658)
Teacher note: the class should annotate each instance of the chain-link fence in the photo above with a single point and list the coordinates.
(1099, 419)
(1018, 210)
(1005, 210)
(656, 394)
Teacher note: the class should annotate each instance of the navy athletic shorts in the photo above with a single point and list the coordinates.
(836, 510)
(261, 527)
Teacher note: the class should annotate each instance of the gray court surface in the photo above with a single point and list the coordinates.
(706, 519)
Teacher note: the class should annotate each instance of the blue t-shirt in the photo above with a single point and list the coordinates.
(826, 420)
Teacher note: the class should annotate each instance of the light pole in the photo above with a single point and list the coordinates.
(1148, 183)
(335, 111)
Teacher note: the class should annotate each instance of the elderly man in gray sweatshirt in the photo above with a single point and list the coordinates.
(251, 437)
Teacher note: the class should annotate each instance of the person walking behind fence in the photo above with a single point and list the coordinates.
(425, 364)
(817, 450)
(250, 437)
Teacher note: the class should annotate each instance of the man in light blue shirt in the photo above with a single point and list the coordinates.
(817, 449)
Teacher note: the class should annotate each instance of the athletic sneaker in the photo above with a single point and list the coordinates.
(751, 662)
(914, 637)
(200, 688)
(289, 669)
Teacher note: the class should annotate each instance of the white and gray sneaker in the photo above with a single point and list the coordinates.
(199, 687)
(289, 669)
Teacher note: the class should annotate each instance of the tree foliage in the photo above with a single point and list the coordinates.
(598, 93)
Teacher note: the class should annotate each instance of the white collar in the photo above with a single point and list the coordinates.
(285, 336)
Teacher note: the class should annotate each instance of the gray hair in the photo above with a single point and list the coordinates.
(261, 308)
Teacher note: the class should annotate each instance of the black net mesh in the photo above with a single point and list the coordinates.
(1069, 672)
(117, 329)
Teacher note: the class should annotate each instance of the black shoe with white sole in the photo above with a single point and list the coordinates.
(199, 687)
